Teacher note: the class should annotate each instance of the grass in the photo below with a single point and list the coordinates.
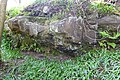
(95, 65)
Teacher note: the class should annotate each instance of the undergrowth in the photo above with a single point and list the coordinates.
(95, 65)
(103, 9)
(20, 42)
(7, 52)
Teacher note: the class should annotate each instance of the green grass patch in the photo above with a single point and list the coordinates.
(96, 65)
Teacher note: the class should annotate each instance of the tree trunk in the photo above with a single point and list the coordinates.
(19, 1)
(3, 4)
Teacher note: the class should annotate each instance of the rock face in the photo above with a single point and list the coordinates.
(110, 23)
(109, 20)
(67, 35)
(26, 24)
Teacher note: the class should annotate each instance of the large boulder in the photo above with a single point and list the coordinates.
(67, 35)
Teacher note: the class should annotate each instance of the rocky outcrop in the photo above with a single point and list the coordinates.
(107, 22)
(27, 24)
(67, 35)
(110, 23)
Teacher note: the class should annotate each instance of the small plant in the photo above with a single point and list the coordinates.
(107, 40)
(14, 12)
(95, 65)
(15, 41)
(8, 52)
(41, 1)
(103, 9)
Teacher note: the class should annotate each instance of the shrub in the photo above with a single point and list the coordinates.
(109, 40)
(14, 12)
(103, 9)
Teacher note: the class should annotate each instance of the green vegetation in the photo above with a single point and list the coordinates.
(95, 65)
(22, 42)
(41, 1)
(98, 64)
(14, 12)
(109, 39)
(103, 9)
(9, 53)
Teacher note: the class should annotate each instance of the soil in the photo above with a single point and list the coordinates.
(40, 56)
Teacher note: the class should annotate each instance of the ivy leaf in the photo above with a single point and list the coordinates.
(113, 45)
(104, 34)
(115, 37)
(102, 44)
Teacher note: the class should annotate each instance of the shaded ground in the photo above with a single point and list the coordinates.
(40, 56)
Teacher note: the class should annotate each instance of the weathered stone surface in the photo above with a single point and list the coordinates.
(66, 35)
(71, 27)
(111, 23)
(109, 20)
(26, 24)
